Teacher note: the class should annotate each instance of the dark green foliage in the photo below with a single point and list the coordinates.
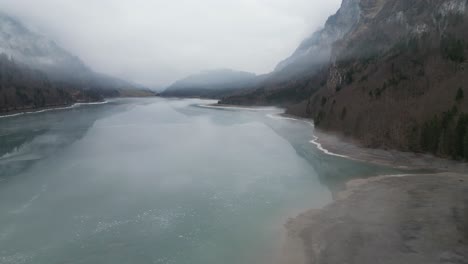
(319, 118)
(430, 135)
(397, 77)
(456, 19)
(378, 92)
(406, 46)
(343, 113)
(460, 137)
(421, 72)
(465, 147)
(25, 88)
(453, 48)
(447, 134)
(349, 76)
(324, 101)
(460, 95)
(448, 117)
(287, 95)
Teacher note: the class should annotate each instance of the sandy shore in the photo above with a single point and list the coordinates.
(388, 219)
(413, 219)
(393, 158)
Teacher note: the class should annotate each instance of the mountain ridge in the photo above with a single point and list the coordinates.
(211, 84)
(49, 70)
(395, 80)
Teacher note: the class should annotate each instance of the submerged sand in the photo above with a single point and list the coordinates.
(417, 219)
(389, 220)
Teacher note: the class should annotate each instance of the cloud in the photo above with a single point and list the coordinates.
(156, 42)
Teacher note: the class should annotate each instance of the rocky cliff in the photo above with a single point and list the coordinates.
(396, 79)
(296, 77)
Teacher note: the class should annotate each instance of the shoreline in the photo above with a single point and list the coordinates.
(229, 107)
(334, 145)
(311, 236)
(392, 158)
(48, 109)
(394, 219)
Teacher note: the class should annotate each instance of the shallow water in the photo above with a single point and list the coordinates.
(158, 181)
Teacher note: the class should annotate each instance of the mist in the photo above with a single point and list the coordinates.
(158, 42)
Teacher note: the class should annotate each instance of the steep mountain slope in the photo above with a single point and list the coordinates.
(296, 77)
(22, 88)
(60, 69)
(396, 79)
(316, 50)
(212, 84)
(37, 51)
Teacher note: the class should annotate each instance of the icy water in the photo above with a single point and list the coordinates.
(158, 181)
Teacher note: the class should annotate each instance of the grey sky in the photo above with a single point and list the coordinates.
(156, 42)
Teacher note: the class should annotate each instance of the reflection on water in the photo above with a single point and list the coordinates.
(157, 181)
(332, 171)
(25, 139)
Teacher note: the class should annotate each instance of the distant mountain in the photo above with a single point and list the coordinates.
(296, 78)
(316, 50)
(211, 84)
(291, 79)
(37, 51)
(23, 88)
(29, 51)
(395, 76)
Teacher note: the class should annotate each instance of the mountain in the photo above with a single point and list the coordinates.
(296, 77)
(211, 84)
(25, 52)
(23, 88)
(316, 50)
(37, 51)
(396, 79)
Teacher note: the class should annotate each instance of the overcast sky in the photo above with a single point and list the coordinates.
(155, 42)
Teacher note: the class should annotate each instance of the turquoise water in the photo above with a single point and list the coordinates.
(158, 181)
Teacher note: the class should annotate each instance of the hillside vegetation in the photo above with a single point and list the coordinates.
(397, 79)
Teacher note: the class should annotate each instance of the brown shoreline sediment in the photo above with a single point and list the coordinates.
(411, 218)
(393, 158)
(388, 219)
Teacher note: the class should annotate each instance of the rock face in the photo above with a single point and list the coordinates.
(316, 50)
(296, 77)
(36, 73)
(211, 84)
(395, 79)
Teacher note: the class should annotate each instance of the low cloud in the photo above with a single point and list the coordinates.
(157, 42)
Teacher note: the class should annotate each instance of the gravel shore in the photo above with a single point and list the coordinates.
(389, 220)
(393, 158)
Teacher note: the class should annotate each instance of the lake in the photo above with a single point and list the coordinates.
(159, 181)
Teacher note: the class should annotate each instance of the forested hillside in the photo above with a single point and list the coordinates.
(397, 79)
(22, 88)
